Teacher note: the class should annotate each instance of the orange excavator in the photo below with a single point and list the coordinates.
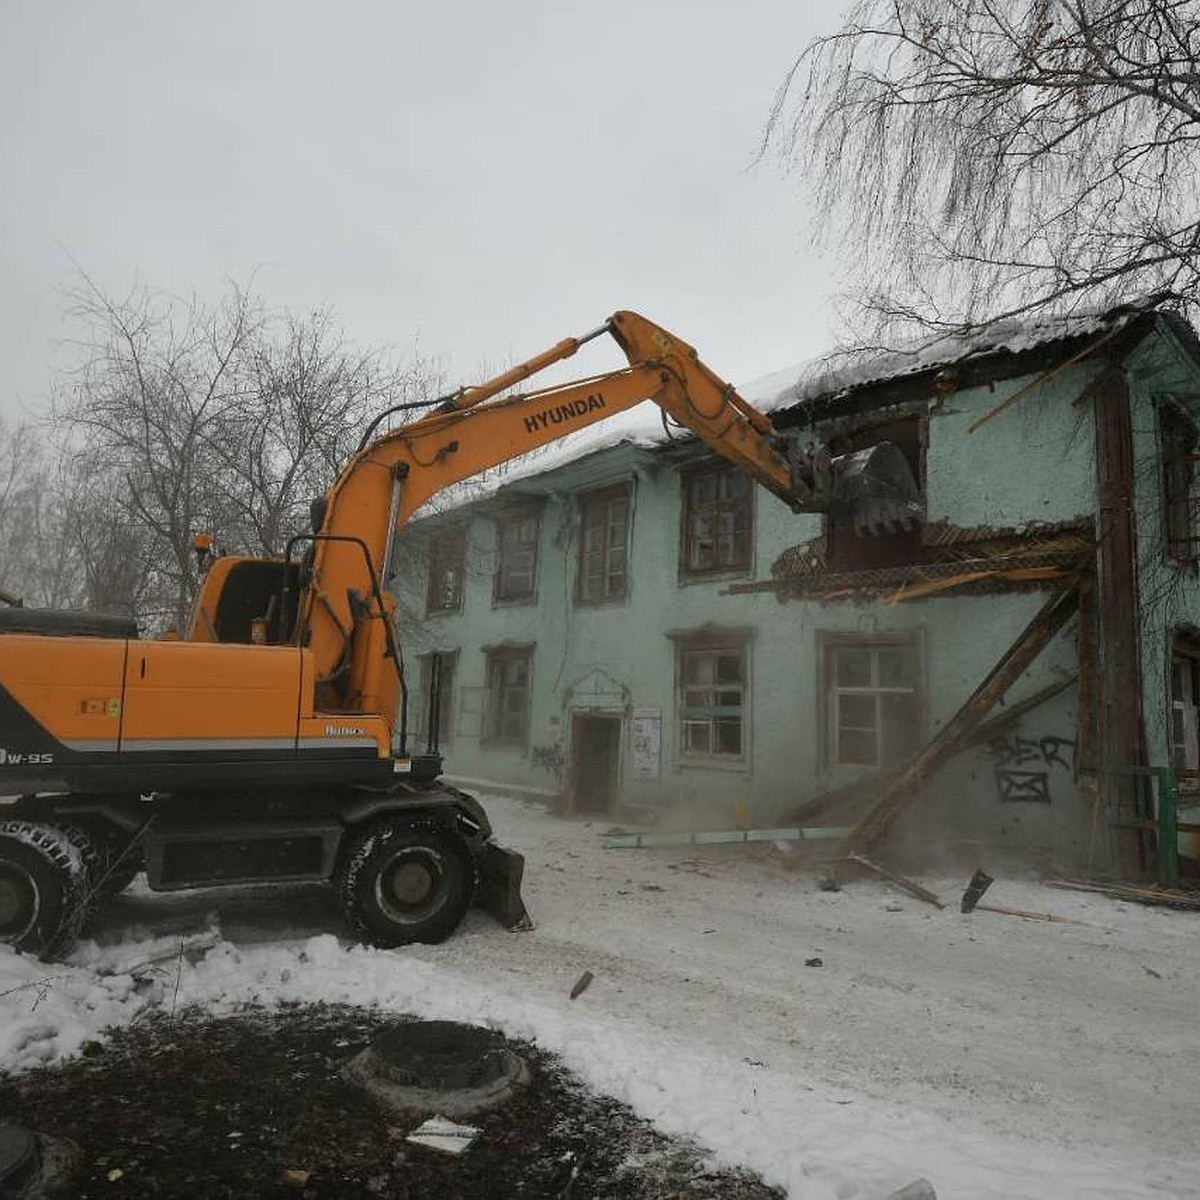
(267, 742)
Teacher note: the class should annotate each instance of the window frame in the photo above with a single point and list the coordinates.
(455, 538)
(693, 475)
(709, 642)
(832, 690)
(587, 503)
(1185, 655)
(446, 717)
(505, 522)
(493, 731)
(1178, 441)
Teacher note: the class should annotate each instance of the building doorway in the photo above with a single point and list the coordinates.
(595, 762)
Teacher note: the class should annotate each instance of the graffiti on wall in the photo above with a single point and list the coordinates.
(1023, 765)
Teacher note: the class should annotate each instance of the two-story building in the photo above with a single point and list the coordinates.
(624, 622)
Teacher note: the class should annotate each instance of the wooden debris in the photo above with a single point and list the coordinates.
(582, 984)
(296, 1177)
(918, 591)
(1028, 916)
(1170, 897)
(914, 889)
(1015, 661)
(1002, 722)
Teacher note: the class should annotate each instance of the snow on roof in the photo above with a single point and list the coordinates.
(808, 381)
(818, 380)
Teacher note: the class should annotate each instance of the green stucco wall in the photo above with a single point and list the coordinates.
(1032, 464)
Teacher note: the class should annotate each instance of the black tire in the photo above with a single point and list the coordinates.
(43, 888)
(401, 883)
(91, 858)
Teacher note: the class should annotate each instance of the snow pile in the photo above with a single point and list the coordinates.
(818, 1140)
(996, 1057)
(47, 1011)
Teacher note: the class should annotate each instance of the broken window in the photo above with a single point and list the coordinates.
(717, 517)
(849, 550)
(1185, 713)
(516, 555)
(420, 705)
(712, 698)
(873, 700)
(509, 676)
(603, 546)
(1178, 476)
(447, 562)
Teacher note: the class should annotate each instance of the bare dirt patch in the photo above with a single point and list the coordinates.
(257, 1105)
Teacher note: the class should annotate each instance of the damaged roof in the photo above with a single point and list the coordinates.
(813, 391)
(998, 350)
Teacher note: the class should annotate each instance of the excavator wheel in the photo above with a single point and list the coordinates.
(43, 888)
(401, 882)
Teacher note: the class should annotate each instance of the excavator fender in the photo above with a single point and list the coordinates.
(500, 870)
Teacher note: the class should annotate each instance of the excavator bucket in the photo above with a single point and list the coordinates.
(875, 489)
(499, 893)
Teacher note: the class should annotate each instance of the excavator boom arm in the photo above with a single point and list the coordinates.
(390, 479)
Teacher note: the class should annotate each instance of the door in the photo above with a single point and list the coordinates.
(595, 763)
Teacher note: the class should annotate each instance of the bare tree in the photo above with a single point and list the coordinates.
(310, 397)
(24, 514)
(185, 417)
(994, 159)
(157, 377)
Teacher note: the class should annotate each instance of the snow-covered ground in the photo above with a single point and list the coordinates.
(1000, 1058)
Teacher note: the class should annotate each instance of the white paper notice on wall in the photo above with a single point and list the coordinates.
(647, 743)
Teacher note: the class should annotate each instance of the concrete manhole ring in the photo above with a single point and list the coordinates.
(438, 1066)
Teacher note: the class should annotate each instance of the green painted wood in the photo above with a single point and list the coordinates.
(1168, 829)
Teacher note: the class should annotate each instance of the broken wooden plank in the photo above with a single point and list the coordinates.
(1048, 621)
(1041, 379)
(817, 805)
(1004, 721)
(857, 789)
(716, 837)
(913, 889)
(1172, 898)
(1026, 914)
(916, 591)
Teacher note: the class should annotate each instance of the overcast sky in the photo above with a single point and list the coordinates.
(486, 178)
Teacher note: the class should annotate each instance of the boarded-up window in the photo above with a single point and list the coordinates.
(509, 677)
(516, 556)
(873, 700)
(1178, 475)
(712, 698)
(717, 517)
(848, 550)
(603, 546)
(447, 560)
